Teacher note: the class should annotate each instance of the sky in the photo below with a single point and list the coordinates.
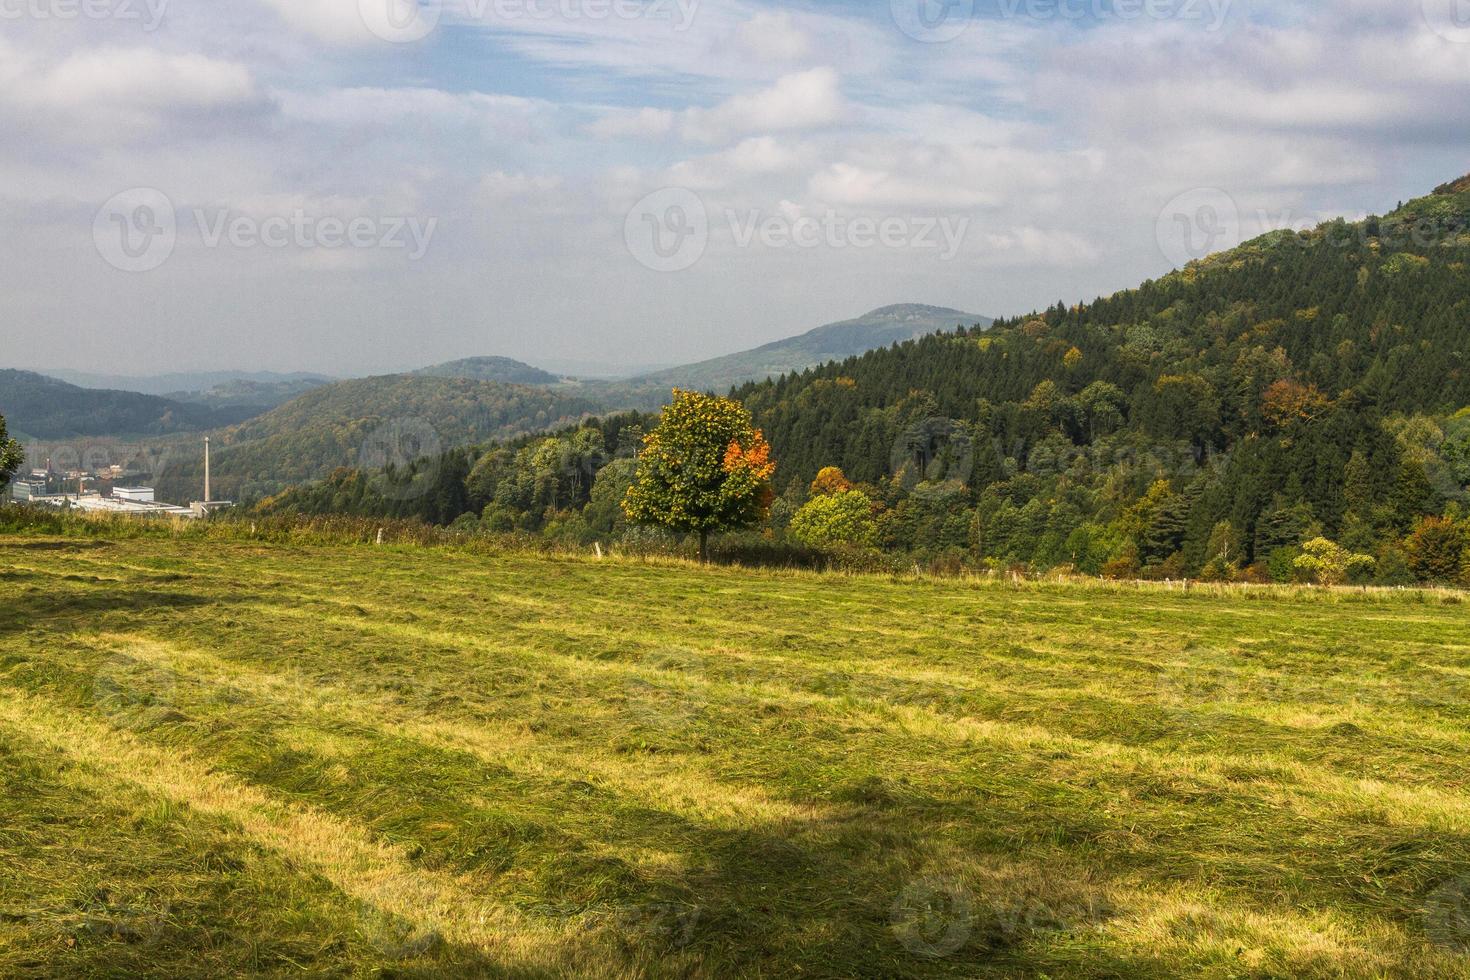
(365, 186)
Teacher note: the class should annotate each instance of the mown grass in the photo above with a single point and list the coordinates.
(227, 757)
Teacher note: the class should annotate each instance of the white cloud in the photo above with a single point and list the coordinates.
(414, 108)
(500, 186)
(757, 156)
(130, 78)
(771, 36)
(333, 21)
(844, 183)
(805, 100)
(1029, 247)
(644, 123)
(114, 93)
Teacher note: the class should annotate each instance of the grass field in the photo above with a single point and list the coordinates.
(223, 758)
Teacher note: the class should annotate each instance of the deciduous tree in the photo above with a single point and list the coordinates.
(704, 468)
(11, 456)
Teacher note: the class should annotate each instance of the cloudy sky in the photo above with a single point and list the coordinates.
(356, 186)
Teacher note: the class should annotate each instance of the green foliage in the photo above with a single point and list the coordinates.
(704, 468)
(401, 419)
(1436, 549)
(1325, 562)
(11, 456)
(1281, 564)
(835, 519)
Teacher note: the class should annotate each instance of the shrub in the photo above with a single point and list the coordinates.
(842, 518)
(1281, 564)
(1436, 550)
(1325, 562)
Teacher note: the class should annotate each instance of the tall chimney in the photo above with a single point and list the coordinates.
(207, 497)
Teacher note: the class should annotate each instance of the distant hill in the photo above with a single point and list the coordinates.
(501, 369)
(259, 396)
(833, 342)
(41, 407)
(191, 382)
(369, 421)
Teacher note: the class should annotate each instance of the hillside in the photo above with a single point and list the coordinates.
(835, 341)
(1304, 388)
(40, 407)
(369, 421)
(1301, 382)
(501, 369)
(235, 757)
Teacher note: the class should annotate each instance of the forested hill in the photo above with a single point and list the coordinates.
(1373, 316)
(491, 369)
(369, 422)
(42, 407)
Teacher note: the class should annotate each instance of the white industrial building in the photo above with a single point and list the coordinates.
(138, 501)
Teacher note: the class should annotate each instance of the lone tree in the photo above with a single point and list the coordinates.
(11, 456)
(704, 468)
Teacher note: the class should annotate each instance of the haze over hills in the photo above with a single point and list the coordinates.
(832, 342)
(177, 383)
(258, 396)
(41, 407)
(387, 419)
(501, 369)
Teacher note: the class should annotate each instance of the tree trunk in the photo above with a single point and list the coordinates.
(704, 547)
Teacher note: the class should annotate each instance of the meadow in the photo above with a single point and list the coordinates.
(226, 757)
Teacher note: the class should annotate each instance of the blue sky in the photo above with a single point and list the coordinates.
(1066, 145)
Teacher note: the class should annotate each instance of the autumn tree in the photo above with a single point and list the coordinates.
(1436, 549)
(11, 456)
(705, 468)
(830, 480)
(1288, 401)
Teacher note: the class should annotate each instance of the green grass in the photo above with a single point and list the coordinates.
(223, 758)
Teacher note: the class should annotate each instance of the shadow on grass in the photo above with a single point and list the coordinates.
(78, 545)
(73, 610)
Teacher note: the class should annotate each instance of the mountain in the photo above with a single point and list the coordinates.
(835, 341)
(170, 385)
(501, 369)
(41, 407)
(368, 421)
